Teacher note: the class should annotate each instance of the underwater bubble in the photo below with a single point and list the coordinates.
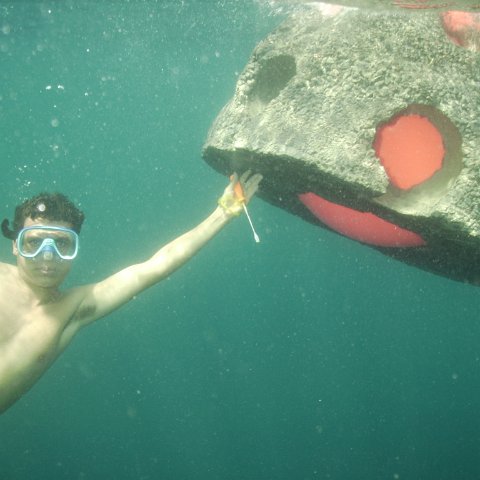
(55, 122)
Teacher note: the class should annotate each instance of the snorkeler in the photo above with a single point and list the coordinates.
(37, 320)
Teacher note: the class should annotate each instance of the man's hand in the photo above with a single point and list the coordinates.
(239, 192)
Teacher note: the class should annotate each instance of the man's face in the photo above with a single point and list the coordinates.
(47, 271)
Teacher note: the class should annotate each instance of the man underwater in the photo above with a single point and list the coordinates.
(37, 320)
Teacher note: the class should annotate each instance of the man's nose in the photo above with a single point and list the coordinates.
(48, 255)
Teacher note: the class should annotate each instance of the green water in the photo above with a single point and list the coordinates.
(306, 356)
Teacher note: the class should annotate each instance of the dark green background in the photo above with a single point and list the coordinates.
(307, 356)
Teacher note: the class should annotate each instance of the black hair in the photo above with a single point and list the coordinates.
(49, 206)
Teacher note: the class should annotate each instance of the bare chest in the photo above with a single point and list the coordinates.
(29, 335)
(32, 336)
(29, 332)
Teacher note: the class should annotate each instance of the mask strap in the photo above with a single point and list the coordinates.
(7, 233)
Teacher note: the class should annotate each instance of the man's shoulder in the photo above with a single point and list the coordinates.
(75, 293)
(76, 300)
(7, 269)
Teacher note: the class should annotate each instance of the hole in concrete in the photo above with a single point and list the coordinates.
(272, 78)
(410, 149)
(463, 28)
(422, 154)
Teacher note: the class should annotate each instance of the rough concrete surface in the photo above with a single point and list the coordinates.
(311, 99)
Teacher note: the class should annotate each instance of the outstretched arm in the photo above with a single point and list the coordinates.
(102, 298)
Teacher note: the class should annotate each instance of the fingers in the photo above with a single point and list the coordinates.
(245, 186)
(244, 176)
(239, 192)
(233, 178)
(250, 183)
(230, 188)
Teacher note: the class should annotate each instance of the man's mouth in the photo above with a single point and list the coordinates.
(47, 271)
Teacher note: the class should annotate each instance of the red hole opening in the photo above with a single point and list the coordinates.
(362, 226)
(463, 28)
(410, 149)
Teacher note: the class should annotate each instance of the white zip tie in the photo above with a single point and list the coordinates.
(255, 236)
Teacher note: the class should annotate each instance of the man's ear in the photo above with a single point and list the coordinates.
(14, 248)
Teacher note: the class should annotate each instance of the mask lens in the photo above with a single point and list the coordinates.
(65, 243)
(29, 243)
(33, 240)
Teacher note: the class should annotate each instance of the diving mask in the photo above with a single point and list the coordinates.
(31, 241)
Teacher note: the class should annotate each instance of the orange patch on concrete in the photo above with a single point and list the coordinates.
(362, 226)
(410, 149)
